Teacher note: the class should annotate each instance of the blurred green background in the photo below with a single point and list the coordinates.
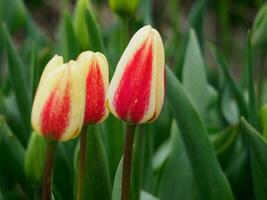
(197, 149)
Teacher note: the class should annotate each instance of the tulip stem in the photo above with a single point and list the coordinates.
(48, 169)
(82, 161)
(127, 160)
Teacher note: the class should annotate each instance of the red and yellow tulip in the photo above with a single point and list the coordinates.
(58, 107)
(137, 89)
(95, 69)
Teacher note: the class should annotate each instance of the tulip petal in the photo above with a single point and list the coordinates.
(95, 67)
(58, 106)
(136, 91)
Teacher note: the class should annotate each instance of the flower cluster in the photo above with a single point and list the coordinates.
(78, 93)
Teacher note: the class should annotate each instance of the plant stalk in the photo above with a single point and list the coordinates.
(48, 169)
(127, 161)
(82, 162)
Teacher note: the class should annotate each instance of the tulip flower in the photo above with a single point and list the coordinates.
(122, 7)
(137, 89)
(96, 80)
(58, 107)
(95, 69)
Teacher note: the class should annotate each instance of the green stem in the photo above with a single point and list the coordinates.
(48, 169)
(127, 160)
(83, 146)
(124, 33)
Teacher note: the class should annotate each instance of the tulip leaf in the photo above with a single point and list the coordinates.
(161, 155)
(147, 196)
(177, 178)
(97, 179)
(194, 74)
(210, 180)
(258, 151)
(16, 74)
(116, 190)
(94, 34)
(113, 145)
(12, 153)
(35, 71)
(63, 165)
(232, 83)
(71, 48)
(252, 108)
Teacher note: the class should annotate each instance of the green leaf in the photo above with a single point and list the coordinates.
(17, 77)
(210, 180)
(233, 85)
(258, 151)
(161, 155)
(194, 74)
(97, 179)
(116, 189)
(70, 47)
(35, 71)
(114, 145)
(12, 153)
(252, 108)
(146, 196)
(94, 34)
(177, 179)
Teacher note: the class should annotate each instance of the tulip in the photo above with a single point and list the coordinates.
(95, 69)
(58, 107)
(96, 79)
(137, 89)
(124, 7)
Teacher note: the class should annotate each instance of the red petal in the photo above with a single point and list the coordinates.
(55, 114)
(95, 95)
(133, 93)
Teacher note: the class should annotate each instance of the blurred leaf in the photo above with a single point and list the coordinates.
(252, 108)
(63, 179)
(97, 179)
(211, 182)
(233, 85)
(194, 75)
(12, 153)
(80, 25)
(259, 37)
(229, 107)
(258, 151)
(13, 13)
(94, 34)
(224, 139)
(146, 196)
(161, 156)
(112, 129)
(17, 77)
(116, 190)
(35, 71)
(1, 196)
(70, 47)
(177, 178)
(196, 17)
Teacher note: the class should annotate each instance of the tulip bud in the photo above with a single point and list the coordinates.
(137, 89)
(259, 37)
(79, 24)
(123, 7)
(59, 102)
(263, 120)
(34, 159)
(95, 69)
